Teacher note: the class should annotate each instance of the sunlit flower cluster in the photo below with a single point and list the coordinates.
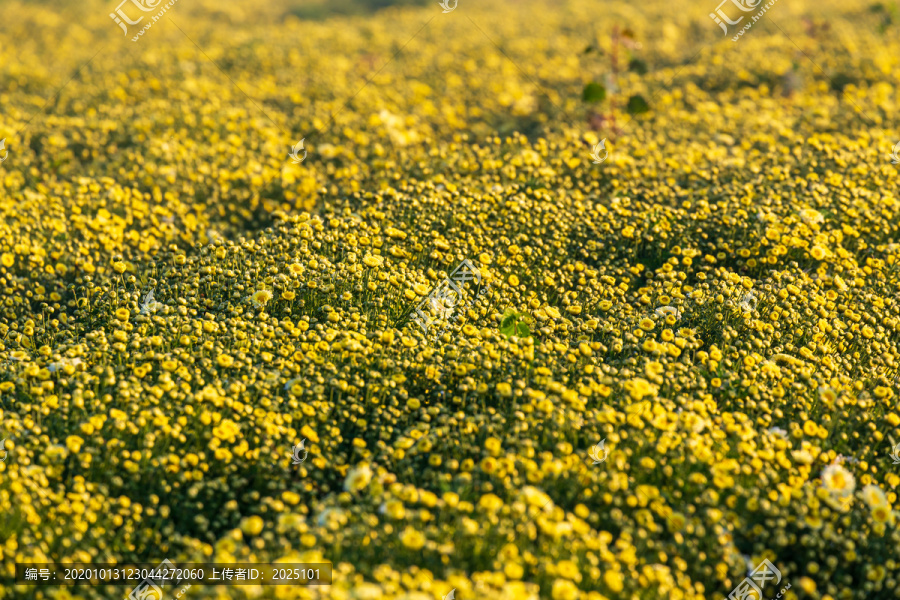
(719, 301)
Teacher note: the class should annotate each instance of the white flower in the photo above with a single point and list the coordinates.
(748, 302)
(54, 367)
(838, 480)
(873, 496)
(663, 311)
(778, 431)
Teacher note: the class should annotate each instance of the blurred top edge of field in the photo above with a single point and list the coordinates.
(302, 9)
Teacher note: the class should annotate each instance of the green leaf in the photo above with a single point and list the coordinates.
(638, 66)
(512, 324)
(637, 105)
(593, 92)
(588, 50)
(508, 324)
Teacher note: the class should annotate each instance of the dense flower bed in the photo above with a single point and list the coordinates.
(718, 300)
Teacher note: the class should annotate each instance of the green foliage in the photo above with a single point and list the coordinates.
(637, 105)
(638, 66)
(594, 92)
(513, 324)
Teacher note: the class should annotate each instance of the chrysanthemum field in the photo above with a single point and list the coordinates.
(683, 360)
